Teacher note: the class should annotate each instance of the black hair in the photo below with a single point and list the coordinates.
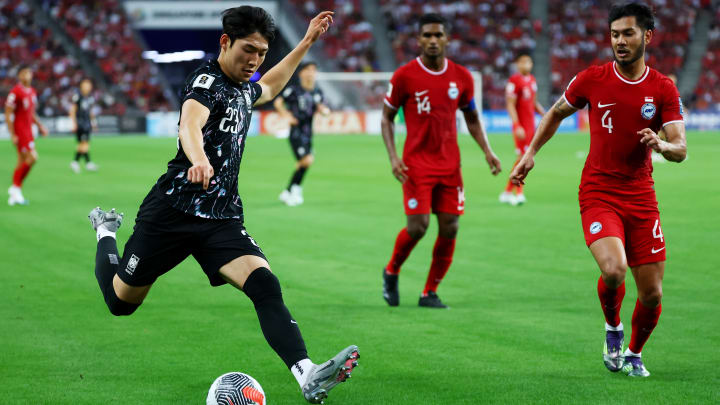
(240, 22)
(306, 64)
(432, 18)
(22, 67)
(522, 53)
(642, 12)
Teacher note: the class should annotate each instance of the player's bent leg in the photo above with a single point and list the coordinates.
(609, 253)
(417, 225)
(648, 278)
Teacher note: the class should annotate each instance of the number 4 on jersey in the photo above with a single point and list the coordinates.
(607, 121)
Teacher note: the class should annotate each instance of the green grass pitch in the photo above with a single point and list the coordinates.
(525, 324)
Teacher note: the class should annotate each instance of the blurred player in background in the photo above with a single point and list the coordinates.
(628, 104)
(430, 89)
(194, 208)
(298, 105)
(19, 116)
(521, 101)
(83, 122)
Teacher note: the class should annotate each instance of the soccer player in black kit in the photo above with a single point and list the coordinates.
(194, 208)
(298, 105)
(83, 122)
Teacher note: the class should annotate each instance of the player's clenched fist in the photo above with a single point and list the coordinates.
(201, 173)
(399, 169)
(319, 25)
(652, 140)
(522, 169)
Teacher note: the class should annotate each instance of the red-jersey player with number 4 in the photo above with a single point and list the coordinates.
(430, 89)
(628, 104)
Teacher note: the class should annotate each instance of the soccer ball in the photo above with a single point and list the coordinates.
(235, 389)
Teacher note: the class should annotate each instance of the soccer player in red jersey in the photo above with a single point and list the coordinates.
(628, 104)
(430, 89)
(521, 101)
(19, 116)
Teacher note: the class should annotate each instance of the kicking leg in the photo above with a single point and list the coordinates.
(648, 278)
(609, 253)
(252, 275)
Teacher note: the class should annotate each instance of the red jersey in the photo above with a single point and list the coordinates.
(430, 100)
(618, 109)
(22, 99)
(524, 88)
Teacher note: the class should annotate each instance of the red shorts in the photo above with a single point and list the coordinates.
(521, 145)
(421, 194)
(637, 226)
(26, 142)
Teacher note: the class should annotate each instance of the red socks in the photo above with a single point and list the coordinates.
(644, 320)
(21, 172)
(442, 257)
(404, 244)
(611, 301)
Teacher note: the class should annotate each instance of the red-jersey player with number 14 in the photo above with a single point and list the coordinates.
(430, 89)
(628, 104)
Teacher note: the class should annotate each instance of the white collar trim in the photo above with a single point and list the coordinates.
(432, 72)
(647, 70)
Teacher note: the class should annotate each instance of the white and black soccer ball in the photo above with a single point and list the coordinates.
(235, 389)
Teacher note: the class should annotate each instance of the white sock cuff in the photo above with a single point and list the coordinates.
(103, 232)
(610, 328)
(301, 370)
(630, 353)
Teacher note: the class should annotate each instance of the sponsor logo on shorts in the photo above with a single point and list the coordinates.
(653, 250)
(301, 150)
(648, 110)
(132, 264)
(412, 203)
(113, 258)
(595, 227)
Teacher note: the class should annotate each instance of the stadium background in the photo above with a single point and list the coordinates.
(138, 54)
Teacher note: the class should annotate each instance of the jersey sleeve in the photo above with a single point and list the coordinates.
(672, 109)
(11, 99)
(255, 92)
(467, 97)
(510, 88)
(576, 93)
(396, 96)
(200, 88)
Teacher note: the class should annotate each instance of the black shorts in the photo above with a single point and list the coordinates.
(164, 236)
(82, 134)
(301, 141)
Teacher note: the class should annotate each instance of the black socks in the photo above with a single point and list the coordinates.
(297, 177)
(280, 330)
(106, 265)
(85, 155)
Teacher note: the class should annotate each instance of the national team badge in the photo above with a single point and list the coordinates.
(453, 91)
(648, 111)
(132, 264)
(595, 227)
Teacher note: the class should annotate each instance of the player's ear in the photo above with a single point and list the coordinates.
(224, 42)
(648, 36)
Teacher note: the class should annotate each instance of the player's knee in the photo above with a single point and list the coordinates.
(307, 161)
(417, 229)
(650, 297)
(613, 272)
(449, 229)
(117, 306)
(262, 285)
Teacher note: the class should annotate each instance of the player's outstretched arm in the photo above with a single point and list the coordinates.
(478, 133)
(547, 128)
(10, 124)
(193, 117)
(387, 126)
(276, 78)
(675, 148)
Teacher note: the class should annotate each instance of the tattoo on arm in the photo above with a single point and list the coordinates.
(563, 109)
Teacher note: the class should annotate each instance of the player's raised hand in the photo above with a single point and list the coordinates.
(493, 162)
(521, 170)
(652, 140)
(319, 25)
(399, 169)
(201, 173)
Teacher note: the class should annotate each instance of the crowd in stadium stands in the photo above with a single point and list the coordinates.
(580, 38)
(485, 36)
(350, 42)
(707, 92)
(102, 30)
(23, 41)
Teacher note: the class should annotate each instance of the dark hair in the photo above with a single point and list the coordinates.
(240, 22)
(522, 53)
(432, 18)
(22, 67)
(642, 12)
(306, 64)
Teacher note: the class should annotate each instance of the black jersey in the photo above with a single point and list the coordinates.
(302, 103)
(83, 106)
(224, 134)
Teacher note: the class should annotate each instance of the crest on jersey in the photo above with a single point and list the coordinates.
(453, 91)
(648, 111)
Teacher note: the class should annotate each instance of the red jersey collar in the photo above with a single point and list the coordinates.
(432, 72)
(628, 81)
